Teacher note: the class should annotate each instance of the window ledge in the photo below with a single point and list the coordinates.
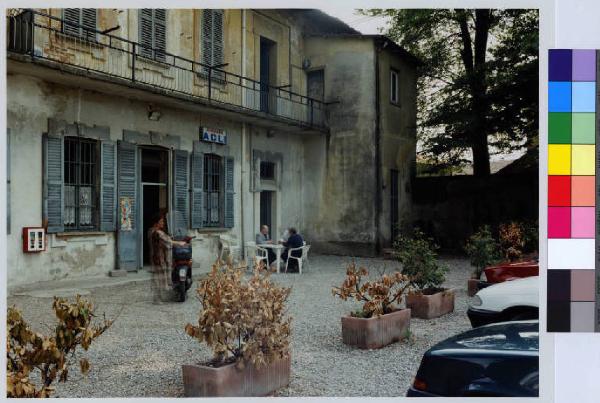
(213, 229)
(80, 233)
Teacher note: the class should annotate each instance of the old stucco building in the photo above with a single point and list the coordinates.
(227, 118)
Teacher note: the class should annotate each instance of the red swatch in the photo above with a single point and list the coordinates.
(559, 190)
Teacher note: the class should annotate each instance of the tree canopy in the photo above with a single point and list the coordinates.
(478, 85)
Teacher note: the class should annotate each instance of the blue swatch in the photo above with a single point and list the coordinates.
(584, 96)
(559, 96)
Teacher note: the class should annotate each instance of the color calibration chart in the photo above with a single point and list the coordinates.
(573, 298)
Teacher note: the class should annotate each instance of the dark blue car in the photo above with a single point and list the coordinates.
(500, 360)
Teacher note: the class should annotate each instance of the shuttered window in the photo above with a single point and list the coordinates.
(79, 184)
(153, 33)
(394, 87)
(80, 180)
(218, 202)
(211, 47)
(80, 22)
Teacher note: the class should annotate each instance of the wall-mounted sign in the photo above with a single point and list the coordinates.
(213, 135)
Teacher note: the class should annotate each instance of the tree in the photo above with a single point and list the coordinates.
(478, 88)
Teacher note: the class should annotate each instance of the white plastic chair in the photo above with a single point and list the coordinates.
(257, 253)
(229, 245)
(302, 258)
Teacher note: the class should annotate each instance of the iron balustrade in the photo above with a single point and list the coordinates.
(43, 37)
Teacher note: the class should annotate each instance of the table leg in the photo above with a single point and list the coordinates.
(278, 259)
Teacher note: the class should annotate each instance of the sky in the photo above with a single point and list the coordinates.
(362, 23)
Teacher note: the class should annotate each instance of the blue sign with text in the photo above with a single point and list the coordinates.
(213, 135)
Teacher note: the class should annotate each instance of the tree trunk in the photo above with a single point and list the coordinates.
(473, 57)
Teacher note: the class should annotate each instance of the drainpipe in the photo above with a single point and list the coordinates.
(378, 178)
(244, 140)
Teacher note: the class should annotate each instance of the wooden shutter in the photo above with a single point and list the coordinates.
(229, 192)
(180, 190)
(207, 29)
(197, 190)
(108, 186)
(127, 251)
(217, 42)
(8, 181)
(72, 16)
(160, 33)
(88, 20)
(53, 183)
(145, 32)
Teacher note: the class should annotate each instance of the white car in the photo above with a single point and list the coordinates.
(516, 299)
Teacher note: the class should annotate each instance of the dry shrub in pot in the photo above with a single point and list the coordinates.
(242, 320)
(379, 297)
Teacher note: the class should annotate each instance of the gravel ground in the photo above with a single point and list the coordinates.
(141, 355)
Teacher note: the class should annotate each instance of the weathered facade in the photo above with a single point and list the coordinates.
(227, 118)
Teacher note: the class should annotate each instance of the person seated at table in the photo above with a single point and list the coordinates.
(263, 238)
(295, 240)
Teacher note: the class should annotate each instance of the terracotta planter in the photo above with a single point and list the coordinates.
(204, 381)
(425, 306)
(377, 332)
(472, 286)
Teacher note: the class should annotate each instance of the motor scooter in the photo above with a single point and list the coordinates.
(181, 273)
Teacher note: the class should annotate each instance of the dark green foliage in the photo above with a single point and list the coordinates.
(418, 255)
(483, 251)
(478, 85)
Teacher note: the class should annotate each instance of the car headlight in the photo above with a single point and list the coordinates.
(475, 301)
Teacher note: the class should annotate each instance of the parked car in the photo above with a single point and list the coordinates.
(508, 271)
(498, 360)
(511, 300)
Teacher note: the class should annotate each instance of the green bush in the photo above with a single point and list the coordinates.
(418, 255)
(483, 251)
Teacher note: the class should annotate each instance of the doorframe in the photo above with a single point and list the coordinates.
(140, 188)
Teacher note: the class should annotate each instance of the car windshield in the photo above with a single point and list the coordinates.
(523, 337)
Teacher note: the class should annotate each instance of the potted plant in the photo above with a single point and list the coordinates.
(512, 240)
(483, 251)
(418, 256)
(244, 322)
(380, 321)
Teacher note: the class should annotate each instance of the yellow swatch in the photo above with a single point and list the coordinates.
(583, 157)
(559, 159)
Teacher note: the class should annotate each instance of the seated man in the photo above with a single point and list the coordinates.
(263, 238)
(295, 240)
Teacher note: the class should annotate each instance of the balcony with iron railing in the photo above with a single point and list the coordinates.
(41, 38)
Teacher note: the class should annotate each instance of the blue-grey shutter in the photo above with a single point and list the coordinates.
(8, 181)
(108, 186)
(197, 189)
(73, 17)
(160, 33)
(145, 32)
(229, 191)
(127, 188)
(207, 28)
(217, 39)
(88, 20)
(180, 189)
(53, 183)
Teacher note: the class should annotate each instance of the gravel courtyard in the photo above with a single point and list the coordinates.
(141, 355)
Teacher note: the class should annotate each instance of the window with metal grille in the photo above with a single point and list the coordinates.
(213, 186)
(80, 179)
(394, 87)
(211, 47)
(80, 22)
(267, 170)
(152, 33)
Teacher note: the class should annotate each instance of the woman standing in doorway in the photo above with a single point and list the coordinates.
(160, 257)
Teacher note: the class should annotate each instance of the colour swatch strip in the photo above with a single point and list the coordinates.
(573, 300)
